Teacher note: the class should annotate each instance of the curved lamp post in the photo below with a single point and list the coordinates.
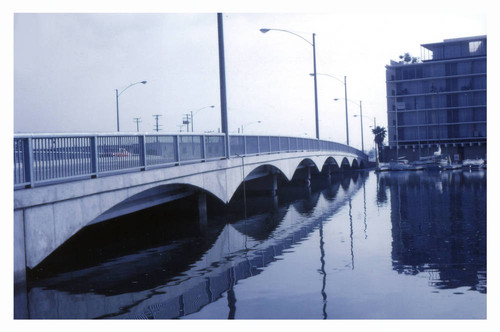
(360, 113)
(247, 124)
(361, 116)
(117, 108)
(345, 93)
(313, 44)
(194, 112)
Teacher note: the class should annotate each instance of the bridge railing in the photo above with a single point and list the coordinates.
(49, 158)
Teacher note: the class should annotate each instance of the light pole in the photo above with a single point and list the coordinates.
(247, 124)
(364, 116)
(345, 98)
(194, 112)
(313, 44)
(360, 113)
(117, 108)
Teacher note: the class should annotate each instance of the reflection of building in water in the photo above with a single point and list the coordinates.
(439, 226)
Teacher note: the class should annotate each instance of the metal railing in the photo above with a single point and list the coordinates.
(49, 158)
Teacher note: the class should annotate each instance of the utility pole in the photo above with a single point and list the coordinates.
(137, 121)
(157, 127)
(186, 120)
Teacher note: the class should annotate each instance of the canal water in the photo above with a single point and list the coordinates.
(401, 245)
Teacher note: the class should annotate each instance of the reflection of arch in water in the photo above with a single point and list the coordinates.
(261, 226)
(116, 276)
(306, 206)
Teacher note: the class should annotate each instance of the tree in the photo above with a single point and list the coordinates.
(407, 58)
(379, 138)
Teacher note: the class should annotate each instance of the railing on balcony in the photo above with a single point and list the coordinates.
(49, 158)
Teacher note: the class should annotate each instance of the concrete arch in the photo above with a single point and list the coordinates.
(345, 163)
(354, 164)
(150, 197)
(331, 163)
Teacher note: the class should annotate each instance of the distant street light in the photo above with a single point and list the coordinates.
(194, 113)
(313, 44)
(361, 115)
(248, 124)
(117, 108)
(345, 98)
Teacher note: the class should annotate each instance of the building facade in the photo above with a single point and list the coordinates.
(439, 101)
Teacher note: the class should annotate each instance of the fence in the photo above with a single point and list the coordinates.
(44, 159)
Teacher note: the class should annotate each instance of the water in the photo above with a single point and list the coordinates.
(390, 245)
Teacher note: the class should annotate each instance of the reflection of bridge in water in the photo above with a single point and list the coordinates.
(240, 251)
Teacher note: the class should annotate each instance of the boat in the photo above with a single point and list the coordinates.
(473, 163)
(435, 162)
(415, 166)
(454, 166)
(400, 165)
(451, 166)
(382, 167)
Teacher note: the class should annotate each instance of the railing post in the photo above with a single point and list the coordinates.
(177, 149)
(245, 145)
(28, 162)
(258, 145)
(94, 157)
(142, 152)
(204, 148)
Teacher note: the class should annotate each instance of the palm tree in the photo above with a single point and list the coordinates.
(379, 138)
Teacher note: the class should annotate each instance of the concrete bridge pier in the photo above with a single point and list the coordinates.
(20, 288)
(308, 176)
(274, 184)
(202, 211)
(328, 174)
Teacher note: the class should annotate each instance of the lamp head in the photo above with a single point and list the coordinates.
(144, 82)
(264, 30)
(336, 99)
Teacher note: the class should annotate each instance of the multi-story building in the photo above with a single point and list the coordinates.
(439, 101)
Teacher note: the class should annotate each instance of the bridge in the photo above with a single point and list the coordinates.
(65, 182)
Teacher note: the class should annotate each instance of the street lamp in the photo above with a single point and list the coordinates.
(193, 113)
(363, 116)
(345, 93)
(247, 124)
(313, 44)
(117, 108)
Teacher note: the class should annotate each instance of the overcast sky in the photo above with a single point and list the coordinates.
(67, 67)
